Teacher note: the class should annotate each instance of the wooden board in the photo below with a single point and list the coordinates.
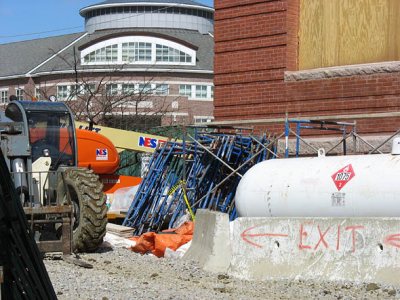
(344, 32)
(120, 230)
(115, 215)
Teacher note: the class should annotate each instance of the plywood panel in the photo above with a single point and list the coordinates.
(343, 32)
(394, 30)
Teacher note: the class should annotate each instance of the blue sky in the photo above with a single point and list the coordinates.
(23, 19)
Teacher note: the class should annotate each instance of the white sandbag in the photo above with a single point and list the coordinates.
(123, 198)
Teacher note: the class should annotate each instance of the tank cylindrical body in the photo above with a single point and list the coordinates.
(336, 186)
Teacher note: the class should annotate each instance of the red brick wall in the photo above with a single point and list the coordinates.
(256, 42)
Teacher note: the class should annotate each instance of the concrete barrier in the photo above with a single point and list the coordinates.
(211, 241)
(353, 249)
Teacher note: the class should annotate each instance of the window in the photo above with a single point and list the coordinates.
(4, 96)
(197, 91)
(144, 88)
(201, 91)
(202, 119)
(185, 90)
(75, 90)
(128, 89)
(105, 54)
(175, 105)
(161, 89)
(38, 94)
(169, 54)
(88, 88)
(62, 92)
(112, 89)
(19, 93)
(69, 91)
(136, 52)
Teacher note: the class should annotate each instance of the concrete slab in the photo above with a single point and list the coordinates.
(355, 249)
(211, 241)
(336, 249)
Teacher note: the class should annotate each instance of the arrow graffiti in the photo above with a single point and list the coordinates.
(393, 240)
(245, 235)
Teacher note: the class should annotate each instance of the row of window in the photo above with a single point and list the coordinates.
(187, 90)
(137, 89)
(137, 52)
(203, 119)
(71, 91)
(150, 9)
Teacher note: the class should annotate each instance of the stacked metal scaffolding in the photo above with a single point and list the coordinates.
(204, 169)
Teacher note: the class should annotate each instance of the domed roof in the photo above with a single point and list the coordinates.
(109, 3)
(182, 14)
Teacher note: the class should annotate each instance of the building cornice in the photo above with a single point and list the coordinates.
(144, 70)
(84, 10)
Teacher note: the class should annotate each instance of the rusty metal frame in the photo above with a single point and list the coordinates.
(47, 213)
(63, 214)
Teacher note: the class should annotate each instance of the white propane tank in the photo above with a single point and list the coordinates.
(396, 146)
(335, 186)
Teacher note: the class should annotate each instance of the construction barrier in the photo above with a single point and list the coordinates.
(335, 249)
(211, 242)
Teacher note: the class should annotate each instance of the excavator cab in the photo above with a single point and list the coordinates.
(50, 129)
(53, 136)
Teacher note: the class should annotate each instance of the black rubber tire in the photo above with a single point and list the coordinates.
(90, 213)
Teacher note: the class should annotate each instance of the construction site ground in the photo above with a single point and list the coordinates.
(123, 274)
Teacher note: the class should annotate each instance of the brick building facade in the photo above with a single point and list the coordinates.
(257, 75)
(137, 65)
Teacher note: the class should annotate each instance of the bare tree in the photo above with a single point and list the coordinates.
(99, 99)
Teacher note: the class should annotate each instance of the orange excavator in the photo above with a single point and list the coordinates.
(115, 140)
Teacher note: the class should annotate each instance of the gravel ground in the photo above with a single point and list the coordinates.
(122, 274)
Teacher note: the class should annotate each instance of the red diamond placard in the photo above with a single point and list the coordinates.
(343, 176)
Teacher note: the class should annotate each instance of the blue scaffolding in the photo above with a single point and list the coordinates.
(206, 168)
(345, 128)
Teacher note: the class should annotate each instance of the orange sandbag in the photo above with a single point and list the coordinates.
(157, 243)
(168, 240)
(145, 243)
(186, 228)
